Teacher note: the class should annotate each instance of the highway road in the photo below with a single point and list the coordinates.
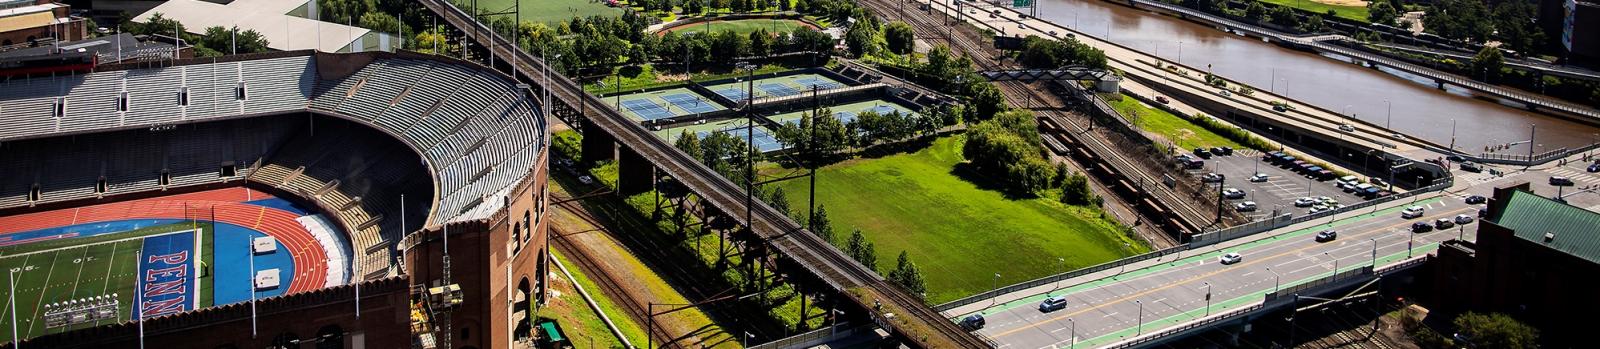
(1150, 298)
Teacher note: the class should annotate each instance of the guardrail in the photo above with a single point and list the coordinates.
(1319, 282)
(1536, 159)
(1219, 317)
(1058, 277)
(808, 339)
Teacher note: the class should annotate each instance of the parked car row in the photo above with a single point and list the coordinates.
(1299, 166)
(1353, 185)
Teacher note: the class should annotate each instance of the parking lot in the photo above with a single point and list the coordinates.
(1582, 193)
(1280, 189)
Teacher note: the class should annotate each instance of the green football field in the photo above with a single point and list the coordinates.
(547, 11)
(76, 268)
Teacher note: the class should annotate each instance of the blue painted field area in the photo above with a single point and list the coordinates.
(232, 265)
(169, 282)
(83, 230)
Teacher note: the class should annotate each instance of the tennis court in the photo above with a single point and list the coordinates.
(848, 112)
(776, 86)
(764, 140)
(665, 104)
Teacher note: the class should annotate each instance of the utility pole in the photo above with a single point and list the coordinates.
(811, 143)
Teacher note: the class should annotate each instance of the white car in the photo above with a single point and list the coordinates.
(1259, 177)
(1224, 93)
(1411, 212)
(1317, 209)
(1230, 258)
(1347, 128)
(1247, 206)
(585, 179)
(1305, 202)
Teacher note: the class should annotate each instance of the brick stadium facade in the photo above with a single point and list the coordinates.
(497, 243)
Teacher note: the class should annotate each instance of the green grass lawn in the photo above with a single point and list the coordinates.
(1178, 130)
(579, 321)
(66, 269)
(959, 233)
(743, 26)
(1357, 13)
(549, 11)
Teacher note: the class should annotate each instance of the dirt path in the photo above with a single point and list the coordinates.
(628, 280)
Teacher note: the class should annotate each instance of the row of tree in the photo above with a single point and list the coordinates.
(216, 40)
(1509, 22)
(831, 135)
(1042, 53)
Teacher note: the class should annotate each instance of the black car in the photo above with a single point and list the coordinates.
(1476, 199)
(1595, 167)
(1202, 153)
(1560, 181)
(1471, 167)
(1421, 227)
(1327, 235)
(972, 322)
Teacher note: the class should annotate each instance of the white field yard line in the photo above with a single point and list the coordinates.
(79, 277)
(102, 242)
(46, 286)
(110, 265)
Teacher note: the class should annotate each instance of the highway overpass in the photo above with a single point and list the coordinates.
(1161, 299)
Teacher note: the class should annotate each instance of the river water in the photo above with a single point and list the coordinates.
(1418, 109)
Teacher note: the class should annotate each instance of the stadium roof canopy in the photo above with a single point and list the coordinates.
(284, 32)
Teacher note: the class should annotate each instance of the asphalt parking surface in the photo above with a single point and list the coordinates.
(1282, 187)
(1583, 192)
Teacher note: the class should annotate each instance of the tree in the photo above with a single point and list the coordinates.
(1381, 12)
(1312, 24)
(1255, 11)
(1075, 191)
(1284, 16)
(689, 143)
(823, 226)
(907, 275)
(1514, 28)
(860, 39)
(1496, 330)
(862, 250)
(899, 37)
(760, 42)
(987, 101)
(1487, 63)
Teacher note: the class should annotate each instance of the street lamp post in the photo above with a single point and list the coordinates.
(1208, 299)
(1140, 330)
(1335, 273)
(1390, 114)
(1374, 253)
(1063, 271)
(1275, 277)
(995, 285)
(1073, 340)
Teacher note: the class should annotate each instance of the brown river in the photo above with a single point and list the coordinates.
(1415, 108)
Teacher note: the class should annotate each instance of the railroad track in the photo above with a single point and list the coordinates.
(927, 22)
(585, 261)
(812, 253)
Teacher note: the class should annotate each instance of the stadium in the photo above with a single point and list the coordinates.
(255, 190)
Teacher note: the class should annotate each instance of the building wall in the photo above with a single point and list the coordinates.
(74, 30)
(490, 259)
(383, 323)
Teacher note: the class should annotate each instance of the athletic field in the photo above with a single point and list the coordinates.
(775, 86)
(82, 267)
(664, 104)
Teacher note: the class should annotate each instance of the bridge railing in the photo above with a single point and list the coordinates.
(812, 338)
(1058, 277)
(1206, 321)
(1536, 159)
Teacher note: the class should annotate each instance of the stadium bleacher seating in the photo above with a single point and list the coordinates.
(475, 133)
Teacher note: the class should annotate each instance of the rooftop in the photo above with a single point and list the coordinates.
(106, 47)
(284, 32)
(1570, 229)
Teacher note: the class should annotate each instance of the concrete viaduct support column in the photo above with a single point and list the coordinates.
(598, 145)
(634, 174)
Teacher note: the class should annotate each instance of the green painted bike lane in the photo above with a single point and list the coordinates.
(1186, 260)
(1237, 301)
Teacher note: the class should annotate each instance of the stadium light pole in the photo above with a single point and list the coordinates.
(12, 275)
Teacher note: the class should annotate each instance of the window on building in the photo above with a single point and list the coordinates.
(228, 170)
(122, 102)
(59, 108)
(183, 96)
(239, 92)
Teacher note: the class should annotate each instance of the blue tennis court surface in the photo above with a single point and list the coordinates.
(731, 93)
(690, 103)
(781, 86)
(811, 81)
(777, 90)
(764, 141)
(646, 109)
(846, 116)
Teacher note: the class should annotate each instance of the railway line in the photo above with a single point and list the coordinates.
(928, 24)
(914, 321)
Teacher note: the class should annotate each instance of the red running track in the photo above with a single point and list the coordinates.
(310, 260)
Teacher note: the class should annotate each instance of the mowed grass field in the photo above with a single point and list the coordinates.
(548, 11)
(959, 233)
(743, 26)
(67, 269)
(1178, 130)
(1355, 13)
